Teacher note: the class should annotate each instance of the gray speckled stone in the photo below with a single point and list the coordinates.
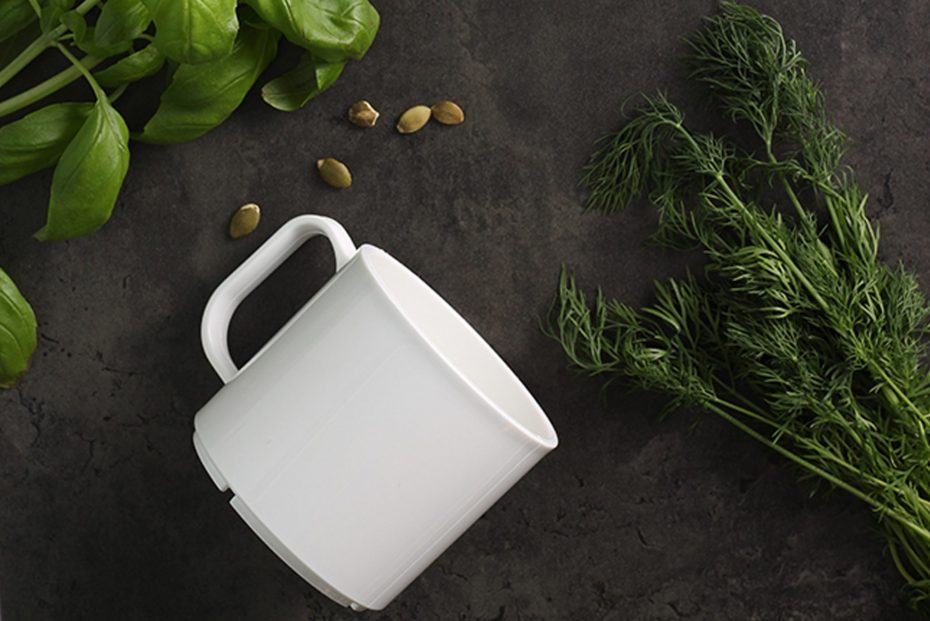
(106, 513)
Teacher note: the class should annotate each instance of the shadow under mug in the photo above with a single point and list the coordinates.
(371, 431)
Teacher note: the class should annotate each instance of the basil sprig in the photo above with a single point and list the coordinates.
(216, 51)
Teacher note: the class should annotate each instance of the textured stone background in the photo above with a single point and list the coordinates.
(105, 512)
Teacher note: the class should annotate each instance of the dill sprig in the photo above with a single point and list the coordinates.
(797, 333)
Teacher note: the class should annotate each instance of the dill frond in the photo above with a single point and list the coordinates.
(797, 333)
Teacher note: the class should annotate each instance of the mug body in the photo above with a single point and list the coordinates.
(370, 432)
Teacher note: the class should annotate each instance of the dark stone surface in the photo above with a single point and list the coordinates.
(106, 513)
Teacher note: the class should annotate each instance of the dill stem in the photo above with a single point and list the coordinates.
(909, 553)
(914, 558)
(752, 412)
(897, 561)
(718, 407)
(901, 395)
(792, 196)
(835, 219)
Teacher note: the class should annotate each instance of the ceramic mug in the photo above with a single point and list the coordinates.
(371, 431)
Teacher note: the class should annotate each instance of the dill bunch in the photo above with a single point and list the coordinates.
(796, 333)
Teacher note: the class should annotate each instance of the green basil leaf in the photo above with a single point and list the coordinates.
(37, 140)
(194, 31)
(121, 21)
(329, 29)
(17, 332)
(11, 47)
(52, 12)
(76, 23)
(302, 83)
(84, 37)
(132, 68)
(200, 97)
(89, 46)
(89, 174)
(14, 16)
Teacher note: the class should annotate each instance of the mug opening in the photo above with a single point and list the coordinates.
(460, 345)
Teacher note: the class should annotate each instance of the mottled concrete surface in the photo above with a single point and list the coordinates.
(105, 511)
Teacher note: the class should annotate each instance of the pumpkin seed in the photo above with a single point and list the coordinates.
(334, 173)
(413, 119)
(447, 112)
(245, 220)
(363, 114)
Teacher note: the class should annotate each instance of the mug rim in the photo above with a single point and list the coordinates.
(548, 440)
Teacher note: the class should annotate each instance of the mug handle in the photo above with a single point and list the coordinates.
(254, 270)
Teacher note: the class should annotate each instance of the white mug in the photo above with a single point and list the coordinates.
(371, 431)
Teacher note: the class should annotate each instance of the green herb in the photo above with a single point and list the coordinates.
(331, 31)
(218, 50)
(138, 65)
(200, 97)
(17, 332)
(194, 31)
(51, 12)
(797, 334)
(308, 79)
(37, 140)
(15, 15)
(121, 21)
(94, 163)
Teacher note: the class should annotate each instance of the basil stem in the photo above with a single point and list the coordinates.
(84, 71)
(46, 88)
(44, 41)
